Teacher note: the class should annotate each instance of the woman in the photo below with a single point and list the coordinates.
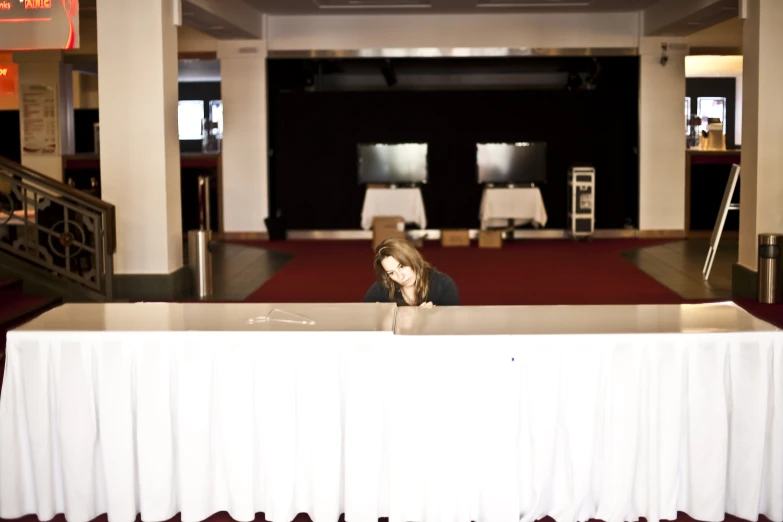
(405, 278)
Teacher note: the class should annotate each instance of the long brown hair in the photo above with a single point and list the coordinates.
(404, 252)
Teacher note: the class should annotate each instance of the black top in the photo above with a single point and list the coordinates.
(442, 292)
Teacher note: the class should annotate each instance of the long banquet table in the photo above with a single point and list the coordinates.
(458, 414)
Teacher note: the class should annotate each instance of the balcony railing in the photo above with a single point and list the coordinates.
(55, 226)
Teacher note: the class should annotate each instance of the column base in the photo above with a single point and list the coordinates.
(153, 287)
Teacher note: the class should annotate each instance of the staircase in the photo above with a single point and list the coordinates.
(59, 240)
(16, 308)
(54, 241)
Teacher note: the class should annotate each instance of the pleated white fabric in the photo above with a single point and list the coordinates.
(430, 428)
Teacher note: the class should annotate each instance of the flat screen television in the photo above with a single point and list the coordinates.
(522, 163)
(392, 163)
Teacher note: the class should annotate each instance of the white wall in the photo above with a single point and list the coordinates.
(193, 41)
(243, 89)
(726, 34)
(661, 138)
(449, 31)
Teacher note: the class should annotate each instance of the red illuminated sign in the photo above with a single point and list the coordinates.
(37, 4)
(9, 76)
(21, 24)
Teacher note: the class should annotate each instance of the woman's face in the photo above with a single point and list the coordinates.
(402, 275)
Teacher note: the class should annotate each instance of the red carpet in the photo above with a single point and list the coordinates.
(520, 273)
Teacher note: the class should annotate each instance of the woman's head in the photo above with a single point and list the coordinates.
(399, 265)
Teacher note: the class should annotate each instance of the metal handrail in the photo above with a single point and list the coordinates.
(79, 245)
(62, 189)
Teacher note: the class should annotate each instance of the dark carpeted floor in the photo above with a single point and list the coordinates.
(519, 273)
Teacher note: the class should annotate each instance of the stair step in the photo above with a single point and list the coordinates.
(8, 284)
(17, 308)
(23, 309)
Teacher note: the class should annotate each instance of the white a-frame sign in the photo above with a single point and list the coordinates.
(725, 206)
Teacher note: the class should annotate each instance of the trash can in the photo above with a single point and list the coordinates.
(200, 262)
(769, 255)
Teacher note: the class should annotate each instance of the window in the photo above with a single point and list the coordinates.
(216, 114)
(687, 112)
(190, 114)
(710, 107)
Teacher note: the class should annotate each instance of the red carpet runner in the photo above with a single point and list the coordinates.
(521, 273)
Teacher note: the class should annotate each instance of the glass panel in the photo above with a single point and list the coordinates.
(712, 107)
(687, 112)
(190, 114)
(216, 114)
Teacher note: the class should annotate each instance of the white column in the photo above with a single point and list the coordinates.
(140, 159)
(243, 89)
(661, 136)
(761, 210)
(45, 111)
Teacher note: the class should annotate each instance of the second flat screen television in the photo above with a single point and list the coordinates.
(392, 163)
(522, 163)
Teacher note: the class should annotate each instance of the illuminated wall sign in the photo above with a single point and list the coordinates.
(9, 78)
(39, 24)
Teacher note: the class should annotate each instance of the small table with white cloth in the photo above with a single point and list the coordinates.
(405, 202)
(454, 414)
(522, 205)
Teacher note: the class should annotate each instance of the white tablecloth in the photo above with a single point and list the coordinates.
(466, 414)
(167, 408)
(612, 413)
(405, 202)
(523, 205)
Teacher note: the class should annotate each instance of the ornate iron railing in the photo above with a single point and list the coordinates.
(57, 227)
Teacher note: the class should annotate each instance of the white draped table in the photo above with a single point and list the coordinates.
(405, 202)
(486, 414)
(580, 412)
(159, 408)
(522, 205)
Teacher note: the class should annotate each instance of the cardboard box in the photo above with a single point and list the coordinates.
(454, 238)
(490, 238)
(384, 227)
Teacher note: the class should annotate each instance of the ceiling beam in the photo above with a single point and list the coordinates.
(223, 19)
(685, 17)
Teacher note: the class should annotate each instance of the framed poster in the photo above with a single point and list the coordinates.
(39, 119)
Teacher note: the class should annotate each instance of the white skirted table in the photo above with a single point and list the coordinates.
(405, 202)
(522, 205)
(452, 414)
